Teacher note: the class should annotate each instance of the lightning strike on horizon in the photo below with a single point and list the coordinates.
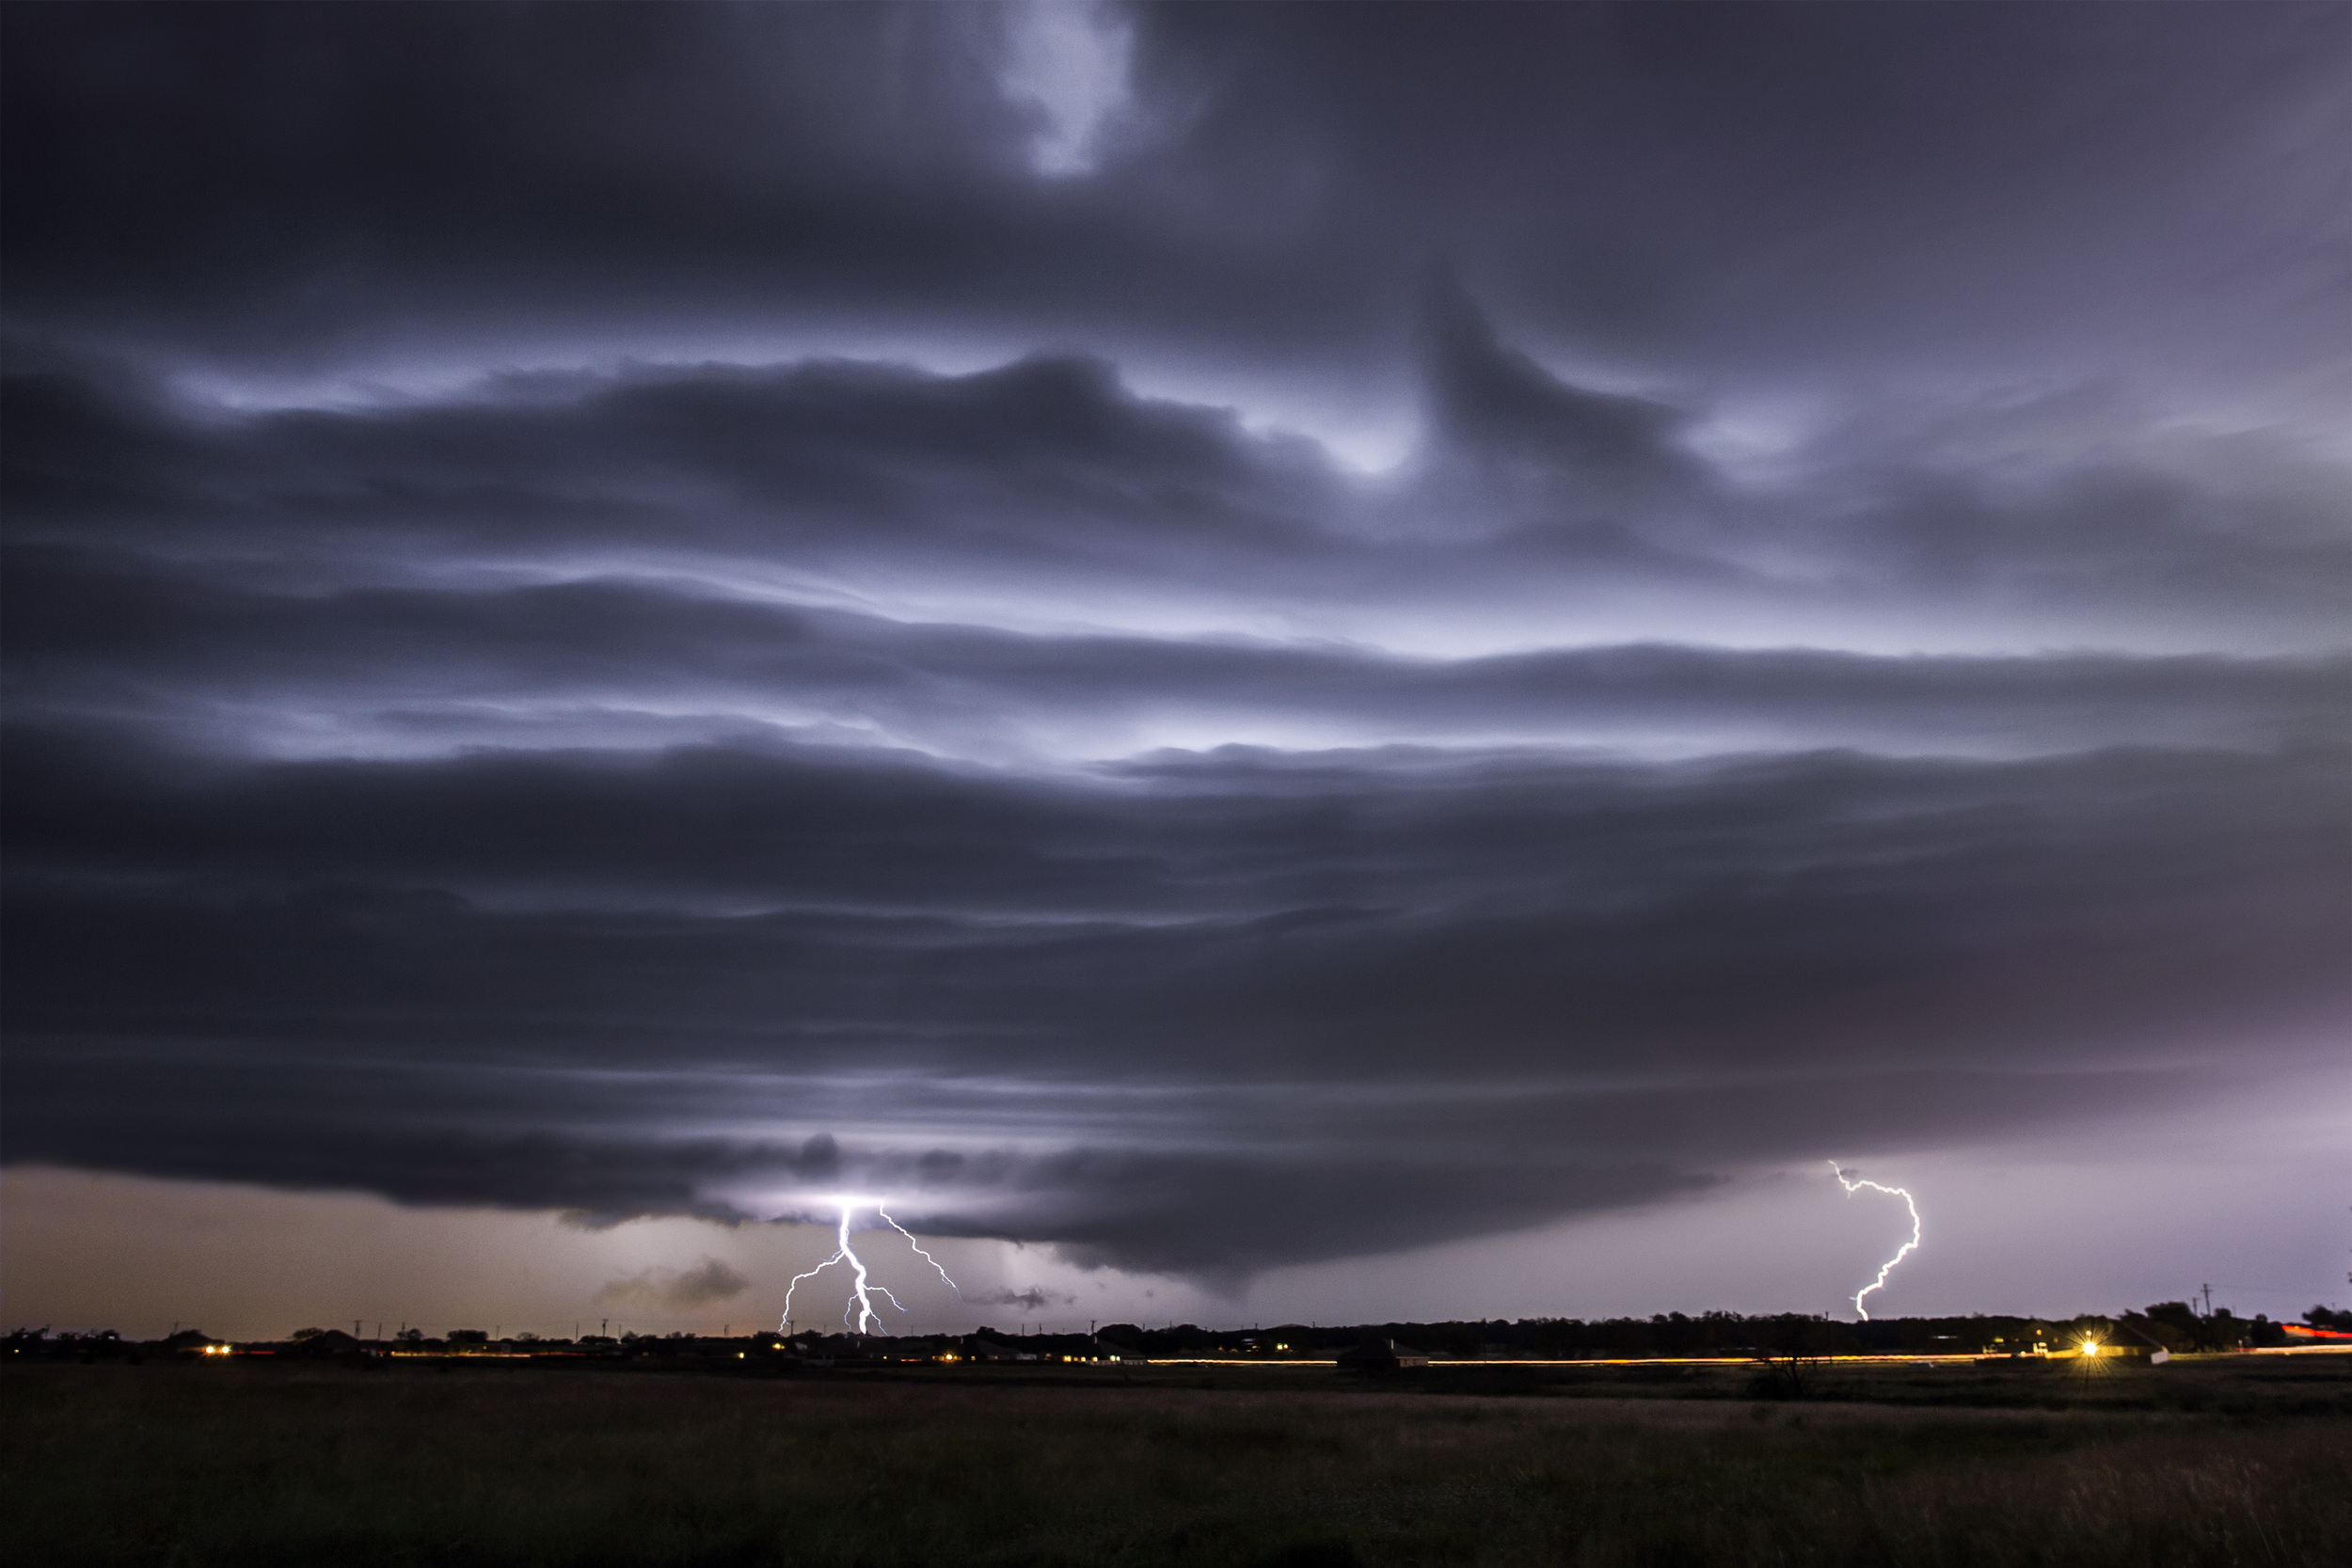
(858, 1312)
(1856, 1184)
(919, 1247)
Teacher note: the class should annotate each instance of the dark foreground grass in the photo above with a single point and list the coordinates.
(205, 1466)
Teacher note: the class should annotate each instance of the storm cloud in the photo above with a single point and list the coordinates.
(1333, 630)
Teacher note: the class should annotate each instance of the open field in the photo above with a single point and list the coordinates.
(2235, 1459)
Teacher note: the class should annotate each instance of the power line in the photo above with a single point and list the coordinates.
(2268, 1289)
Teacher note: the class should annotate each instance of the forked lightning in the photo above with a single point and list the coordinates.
(859, 1312)
(1853, 1185)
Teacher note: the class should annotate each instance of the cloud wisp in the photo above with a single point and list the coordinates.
(710, 1281)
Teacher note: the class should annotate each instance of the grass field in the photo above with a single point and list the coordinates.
(2238, 1460)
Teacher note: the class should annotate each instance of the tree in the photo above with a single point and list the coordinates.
(2178, 1325)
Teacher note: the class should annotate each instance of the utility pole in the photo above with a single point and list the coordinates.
(355, 1328)
(2208, 1301)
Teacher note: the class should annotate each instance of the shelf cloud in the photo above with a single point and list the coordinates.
(654, 612)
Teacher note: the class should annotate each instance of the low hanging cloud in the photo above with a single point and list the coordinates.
(1629, 973)
(676, 1290)
(1036, 1298)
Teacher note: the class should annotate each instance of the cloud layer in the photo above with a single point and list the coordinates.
(682, 649)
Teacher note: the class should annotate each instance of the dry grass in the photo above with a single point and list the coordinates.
(206, 1466)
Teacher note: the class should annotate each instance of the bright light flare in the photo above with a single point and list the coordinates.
(1854, 1184)
(859, 1313)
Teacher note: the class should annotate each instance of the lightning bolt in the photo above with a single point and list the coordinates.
(1854, 1184)
(917, 1246)
(858, 1314)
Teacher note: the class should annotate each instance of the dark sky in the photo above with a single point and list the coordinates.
(1223, 637)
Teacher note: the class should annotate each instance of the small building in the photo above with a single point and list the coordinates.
(327, 1345)
(984, 1347)
(1381, 1356)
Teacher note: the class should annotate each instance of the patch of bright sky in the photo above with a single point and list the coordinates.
(1755, 439)
(2058, 1227)
(1070, 61)
(559, 365)
(1435, 619)
(2244, 1190)
(284, 728)
(140, 1256)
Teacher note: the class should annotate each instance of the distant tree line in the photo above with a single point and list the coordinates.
(2171, 1326)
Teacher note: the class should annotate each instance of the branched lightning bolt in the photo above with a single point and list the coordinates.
(1854, 1184)
(859, 1300)
(919, 1247)
(859, 1313)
